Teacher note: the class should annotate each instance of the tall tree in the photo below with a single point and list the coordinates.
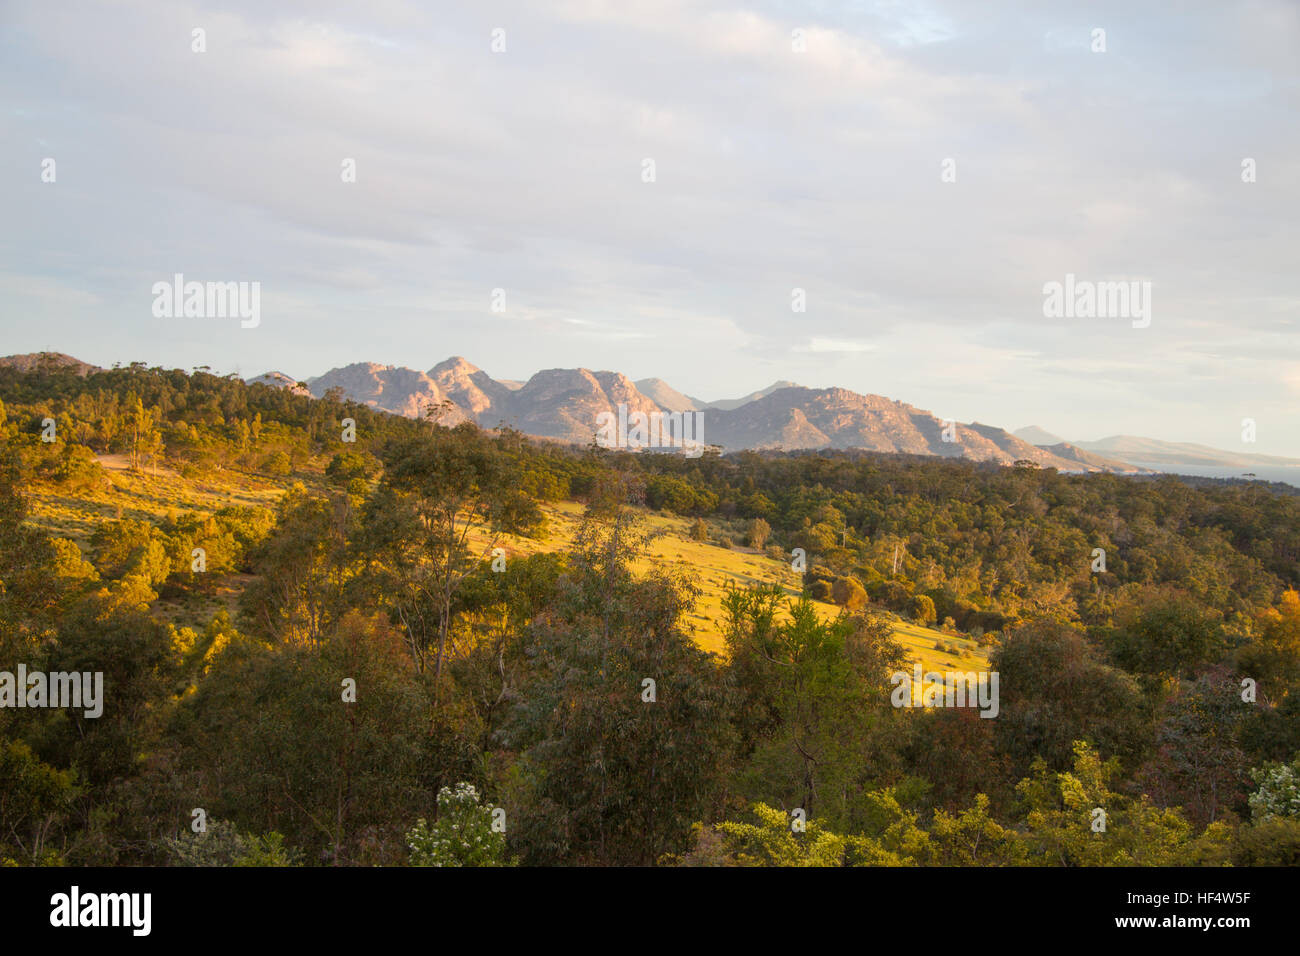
(446, 499)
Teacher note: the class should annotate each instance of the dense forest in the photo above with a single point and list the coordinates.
(388, 690)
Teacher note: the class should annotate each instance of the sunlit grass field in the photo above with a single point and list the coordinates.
(151, 497)
(144, 496)
(712, 567)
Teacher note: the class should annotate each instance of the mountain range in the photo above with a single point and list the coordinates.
(1154, 452)
(565, 404)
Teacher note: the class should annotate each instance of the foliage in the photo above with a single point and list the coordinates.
(462, 835)
(373, 562)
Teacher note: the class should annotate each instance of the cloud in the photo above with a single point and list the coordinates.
(775, 169)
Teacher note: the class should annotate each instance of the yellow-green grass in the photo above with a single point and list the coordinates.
(712, 567)
(151, 497)
(144, 496)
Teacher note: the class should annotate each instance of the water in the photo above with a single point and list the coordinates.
(1287, 473)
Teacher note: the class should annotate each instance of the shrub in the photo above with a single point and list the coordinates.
(849, 593)
(79, 470)
(894, 595)
(348, 465)
(922, 609)
(278, 464)
(757, 534)
(1273, 842)
(1279, 791)
(221, 844)
(463, 834)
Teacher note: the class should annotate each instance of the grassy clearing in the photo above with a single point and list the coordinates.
(152, 497)
(713, 567)
(144, 496)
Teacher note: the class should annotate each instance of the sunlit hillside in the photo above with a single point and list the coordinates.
(155, 493)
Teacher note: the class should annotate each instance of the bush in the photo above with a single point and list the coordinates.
(1279, 791)
(221, 844)
(79, 470)
(348, 465)
(922, 610)
(1274, 842)
(670, 493)
(848, 593)
(894, 595)
(463, 834)
(700, 530)
(278, 464)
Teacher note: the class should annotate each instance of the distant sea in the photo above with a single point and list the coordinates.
(1287, 473)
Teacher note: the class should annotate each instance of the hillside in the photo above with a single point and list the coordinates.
(1073, 453)
(1037, 436)
(281, 380)
(153, 497)
(284, 591)
(1153, 451)
(1147, 454)
(667, 397)
(33, 361)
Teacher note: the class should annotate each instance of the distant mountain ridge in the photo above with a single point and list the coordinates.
(30, 361)
(731, 404)
(1158, 452)
(280, 380)
(1037, 436)
(1154, 453)
(564, 404)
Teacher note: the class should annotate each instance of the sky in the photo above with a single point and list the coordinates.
(643, 186)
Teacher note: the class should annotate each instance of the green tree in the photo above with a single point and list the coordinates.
(436, 492)
(1075, 818)
(849, 593)
(923, 610)
(623, 722)
(810, 691)
(1173, 636)
(1054, 691)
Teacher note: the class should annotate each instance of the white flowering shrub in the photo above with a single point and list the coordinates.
(461, 836)
(1279, 791)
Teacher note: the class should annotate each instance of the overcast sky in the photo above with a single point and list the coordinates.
(774, 169)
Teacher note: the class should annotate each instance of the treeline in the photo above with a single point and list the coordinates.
(391, 689)
(990, 544)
